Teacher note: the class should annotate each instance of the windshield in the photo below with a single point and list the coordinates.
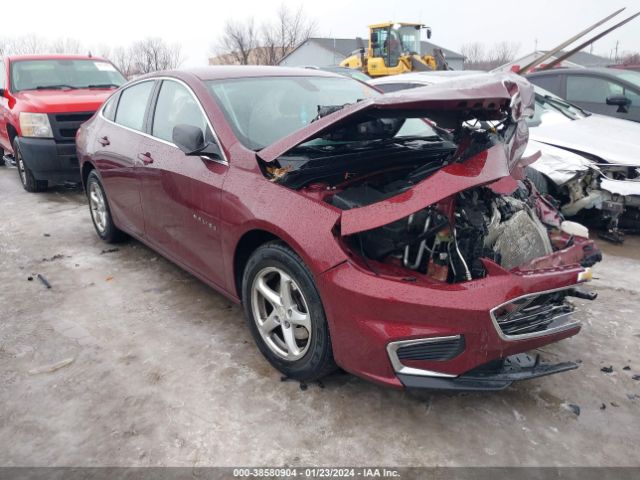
(63, 74)
(551, 109)
(628, 75)
(409, 37)
(266, 109)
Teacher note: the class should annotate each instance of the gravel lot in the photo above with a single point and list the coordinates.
(128, 360)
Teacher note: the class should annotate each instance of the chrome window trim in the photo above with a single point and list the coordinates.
(560, 328)
(223, 160)
(398, 367)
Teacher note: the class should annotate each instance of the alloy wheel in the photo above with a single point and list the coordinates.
(98, 207)
(281, 313)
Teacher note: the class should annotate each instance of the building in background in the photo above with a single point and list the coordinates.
(323, 52)
(577, 60)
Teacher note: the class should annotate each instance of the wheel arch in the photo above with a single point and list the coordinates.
(249, 242)
(86, 170)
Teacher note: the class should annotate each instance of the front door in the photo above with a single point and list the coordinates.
(181, 193)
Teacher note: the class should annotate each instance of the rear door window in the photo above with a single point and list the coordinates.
(133, 105)
(109, 110)
(553, 83)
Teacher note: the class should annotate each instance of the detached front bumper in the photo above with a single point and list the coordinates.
(496, 375)
(50, 160)
(467, 336)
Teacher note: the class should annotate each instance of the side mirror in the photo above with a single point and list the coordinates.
(621, 101)
(1, 92)
(190, 139)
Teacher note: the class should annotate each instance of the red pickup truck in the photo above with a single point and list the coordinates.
(43, 101)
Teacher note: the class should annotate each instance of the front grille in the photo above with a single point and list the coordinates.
(432, 350)
(533, 314)
(66, 125)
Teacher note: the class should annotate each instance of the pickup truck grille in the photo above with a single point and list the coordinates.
(65, 125)
(533, 314)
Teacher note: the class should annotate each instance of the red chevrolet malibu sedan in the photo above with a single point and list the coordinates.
(355, 233)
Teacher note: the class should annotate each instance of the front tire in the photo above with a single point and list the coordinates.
(29, 183)
(285, 314)
(100, 211)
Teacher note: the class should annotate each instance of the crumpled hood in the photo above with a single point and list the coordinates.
(484, 97)
(54, 101)
(556, 163)
(611, 139)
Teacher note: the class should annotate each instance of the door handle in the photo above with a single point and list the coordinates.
(104, 141)
(145, 157)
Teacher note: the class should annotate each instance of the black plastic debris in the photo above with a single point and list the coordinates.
(46, 235)
(608, 369)
(44, 281)
(603, 406)
(626, 367)
(635, 377)
(109, 250)
(30, 278)
(574, 408)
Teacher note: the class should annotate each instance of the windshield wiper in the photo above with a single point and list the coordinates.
(56, 87)
(563, 106)
(102, 85)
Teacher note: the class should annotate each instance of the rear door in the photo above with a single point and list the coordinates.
(117, 146)
(180, 193)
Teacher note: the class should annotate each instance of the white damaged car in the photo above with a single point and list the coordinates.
(589, 163)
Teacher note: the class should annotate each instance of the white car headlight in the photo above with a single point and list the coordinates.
(35, 125)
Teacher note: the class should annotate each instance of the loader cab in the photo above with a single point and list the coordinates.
(388, 44)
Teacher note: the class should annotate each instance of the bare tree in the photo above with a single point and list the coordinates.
(280, 37)
(153, 54)
(477, 57)
(122, 59)
(631, 58)
(66, 45)
(238, 41)
(26, 44)
(243, 43)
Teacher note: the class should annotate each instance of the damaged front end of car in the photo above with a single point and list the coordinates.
(437, 217)
(601, 194)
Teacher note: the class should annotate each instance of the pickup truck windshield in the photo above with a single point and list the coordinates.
(60, 74)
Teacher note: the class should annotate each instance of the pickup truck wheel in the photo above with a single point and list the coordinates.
(29, 183)
(285, 314)
(100, 212)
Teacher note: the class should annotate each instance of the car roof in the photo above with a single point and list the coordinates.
(425, 78)
(218, 72)
(57, 56)
(555, 71)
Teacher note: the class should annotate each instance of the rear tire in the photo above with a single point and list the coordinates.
(100, 211)
(285, 314)
(29, 183)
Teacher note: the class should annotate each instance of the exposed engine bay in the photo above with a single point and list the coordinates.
(447, 241)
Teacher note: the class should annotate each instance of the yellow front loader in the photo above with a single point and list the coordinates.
(394, 48)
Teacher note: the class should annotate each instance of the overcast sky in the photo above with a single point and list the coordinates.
(196, 24)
